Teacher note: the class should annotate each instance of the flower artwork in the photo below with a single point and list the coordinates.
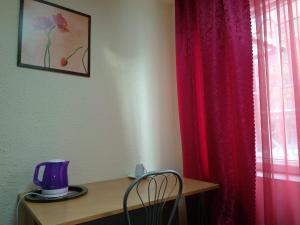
(53, 38)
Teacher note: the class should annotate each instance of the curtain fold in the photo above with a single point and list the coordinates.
(276, 50)
(215, 95)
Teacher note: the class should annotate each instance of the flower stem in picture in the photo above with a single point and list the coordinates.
(82, 59)
(45, 55)
(47, 50)
(73, 53)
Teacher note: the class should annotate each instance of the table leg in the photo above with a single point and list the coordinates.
(196, 210)
(182, 217)
(25, 216)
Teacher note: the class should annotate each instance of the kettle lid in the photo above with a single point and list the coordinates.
(57, 161)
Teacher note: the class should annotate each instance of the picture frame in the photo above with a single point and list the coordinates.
(54, 38)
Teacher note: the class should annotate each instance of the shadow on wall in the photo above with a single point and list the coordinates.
(142, 58)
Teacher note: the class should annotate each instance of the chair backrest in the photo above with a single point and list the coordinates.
(153, 190)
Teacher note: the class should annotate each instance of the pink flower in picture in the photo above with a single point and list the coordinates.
(42, 23)
(61, 22)
(63, 61)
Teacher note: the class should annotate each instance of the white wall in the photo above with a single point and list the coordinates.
(124, 114)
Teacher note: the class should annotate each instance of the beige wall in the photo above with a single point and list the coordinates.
(124, 114)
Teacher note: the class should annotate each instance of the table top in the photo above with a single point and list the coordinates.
(104, 198)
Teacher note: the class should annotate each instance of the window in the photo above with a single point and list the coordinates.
(278, 86)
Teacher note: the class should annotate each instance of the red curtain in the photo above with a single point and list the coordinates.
(215, 92)
(276, 50)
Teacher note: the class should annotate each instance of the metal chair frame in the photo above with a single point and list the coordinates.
(154, 206)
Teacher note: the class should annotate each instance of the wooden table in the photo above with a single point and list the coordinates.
(103, 199)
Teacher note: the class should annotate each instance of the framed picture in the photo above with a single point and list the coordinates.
(54, 38)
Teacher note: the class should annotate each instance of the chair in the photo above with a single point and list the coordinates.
(153, 190)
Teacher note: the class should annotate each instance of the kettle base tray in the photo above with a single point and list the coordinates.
(74, 192)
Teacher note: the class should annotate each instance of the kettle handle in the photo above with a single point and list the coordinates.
(36, 180)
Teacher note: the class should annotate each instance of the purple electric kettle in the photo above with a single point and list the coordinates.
(55, 177)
